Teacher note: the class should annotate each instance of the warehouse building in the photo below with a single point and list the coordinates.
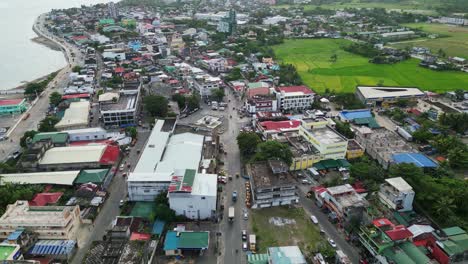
(76, 116)
(376, 96)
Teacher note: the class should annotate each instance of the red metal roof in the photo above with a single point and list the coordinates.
(280, 125)
(79, 37)
(294, 89)
(72, 96)
(119, 70)
(399, 233)
(11, 101)
(140, 236)
(92, 142)
(382, 222)
(42, 199)
(258, 91)
(110, 156)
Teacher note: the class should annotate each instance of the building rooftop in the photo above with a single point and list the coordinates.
(353, 145)
(417, 159)
(373, 92)
(286, 255)
(326, 135)
(5, 102)
(124, 102)
(299, 90)
(54, 177)
(280, 126)
(53, 247)
(186, 240)
(76, 154)
(96, 176)
(6, 250)
(353, 114)
(263, 176)
(346, 196)
(456, 242)
(77, 114)
(399, 184)
(56, 137)
(20, 213)
(43, 199)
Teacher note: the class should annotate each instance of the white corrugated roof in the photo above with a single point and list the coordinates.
(78, 154)
(399, 183)
(56, 177)
(384, 92)
(77, 114)
(205, 184)
(153, 150)
(85, 130)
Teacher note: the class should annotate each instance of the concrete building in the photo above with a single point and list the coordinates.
(112, 10)
(305, 155)
(205, 84)
(275, 129)
(262, 103)
(12, 106)
(76, 116)
(121, 109)
(397, 194)
(272, 185)
(381, 144)
(375, 96)
(434, 109)
(343, 201)
(86, 134)
(397, 35)
(193, 194)
(228, 23)
(49, 222)
(329, 143)
(294, 97)
(354, 150)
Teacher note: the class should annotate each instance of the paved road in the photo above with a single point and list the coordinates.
(110, 209)
(232, 230)
(38, 110)
(327, 226)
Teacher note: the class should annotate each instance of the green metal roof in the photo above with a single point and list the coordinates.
(143, 209)
(457, 241)
(107, 21)
(255, 85)
(369, 121)
(257, 259)
(414, 253)
(454, 230)
(344, 163)
(398, 256)
(94, 176)
(56, 137)
(193, 240)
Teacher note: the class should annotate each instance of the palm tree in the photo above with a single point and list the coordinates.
(444, 206)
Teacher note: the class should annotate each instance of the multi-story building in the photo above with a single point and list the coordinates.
(397, 194)
(262, 103)
(206, 84)
(319, 132)
(12, 106)
(112, 10)
(343, 201)
(49, 222)
(121, 109)
(228, 24)
(193, 194)
(294, 97)
(272, 185)
(354, 150)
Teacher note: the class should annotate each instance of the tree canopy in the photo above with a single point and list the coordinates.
(55, 98)
(156, 105)
(248, 142)
(274, 150)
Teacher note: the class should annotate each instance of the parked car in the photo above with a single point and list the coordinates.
(314, 219)
(121, 203)
(222, 179)
(244, 234)
(121, 168)
(332, 243)
(244, 246)
(306, 182)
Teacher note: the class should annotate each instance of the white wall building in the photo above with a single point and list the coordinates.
(205, 84)
(294, 97)
(193, 194)
(397, 194)
(85, 134)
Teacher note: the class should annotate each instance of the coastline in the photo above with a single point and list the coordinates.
(42, 39)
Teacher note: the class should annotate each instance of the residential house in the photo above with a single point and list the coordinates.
(397, 194)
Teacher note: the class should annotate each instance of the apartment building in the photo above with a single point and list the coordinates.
(121, 109)
(205, 84)
(294, 97)
(397, 194)
(49, 222)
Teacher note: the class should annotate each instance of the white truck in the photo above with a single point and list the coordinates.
(231, 213)
(252, 243)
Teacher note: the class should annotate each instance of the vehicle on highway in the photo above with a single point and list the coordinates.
(246, 215)
(26, 116)
(244, 234)
(234, 196)
(124, 174)
(121, 203)
(231, 213)
(306, 182)
(314, 219)
(332, 243)
(222, 179)
(121, 168)
(244, 246)
(252, 242)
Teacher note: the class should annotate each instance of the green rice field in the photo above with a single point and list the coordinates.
(312, 60)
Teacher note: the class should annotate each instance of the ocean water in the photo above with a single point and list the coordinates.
(21, 59)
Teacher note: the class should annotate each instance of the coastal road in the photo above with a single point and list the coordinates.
(39, 107)
(231, 231)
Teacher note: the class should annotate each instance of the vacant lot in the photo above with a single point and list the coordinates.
(312, 60)
(453, 40)
(272, 234)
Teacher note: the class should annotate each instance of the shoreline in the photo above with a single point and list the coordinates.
(41, 39)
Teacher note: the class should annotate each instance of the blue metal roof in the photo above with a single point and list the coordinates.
(353, 114)
(158, 227)
(171, 242)
(52, 247)
(417, 159)
(15, 235)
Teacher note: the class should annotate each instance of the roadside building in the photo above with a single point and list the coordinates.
(58, 139)
(305, 155)
(294, 97)
(397, 35)
(121, 109)
(397, 194)
(343, 201)
(319, 132)
(193, 194)
(418, 159)
(87, 134)
(205, 84)
(63, 178)
(360, 117)
(12, 106)
(272, 184)
(453, 243)
(376, 96)
(76, 116)
(354, 150)
(275, 129)
(261, 103)
(49, 222)
(178, 243)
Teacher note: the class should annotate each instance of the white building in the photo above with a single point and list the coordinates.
(382, 95)
(205, 84)
(85, 134)
(164, 155)
(123, 110)
(49, 222)
(76, 116)
(294, 97)
(397, 194)
(193, 194)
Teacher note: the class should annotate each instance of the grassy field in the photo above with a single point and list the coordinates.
(413, 6)
(303, 234)
(312, 60)
(454, 41)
